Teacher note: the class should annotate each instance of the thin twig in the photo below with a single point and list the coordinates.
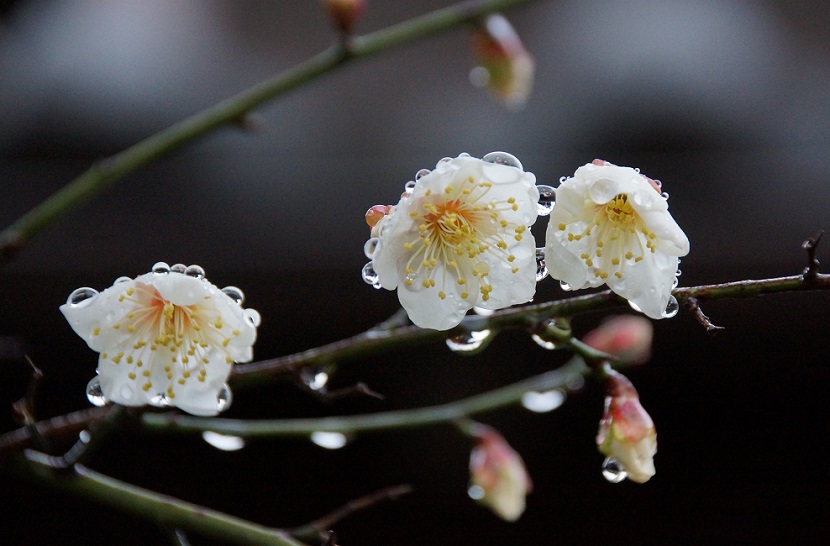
(811, 245)
(693, 306)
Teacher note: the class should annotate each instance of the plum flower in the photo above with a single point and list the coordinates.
(458, 237)
(498, 476)
(165, 338)
(626, 432)
(612, 226)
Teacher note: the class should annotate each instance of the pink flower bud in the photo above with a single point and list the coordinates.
(498, 476)
(628, 337)
(626, 432)
(506, 66)
(345, 13)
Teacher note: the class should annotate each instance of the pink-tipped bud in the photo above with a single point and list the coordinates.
(627, 337)
(507, 69)
(345, 13)
(626, 432)
(498, 476)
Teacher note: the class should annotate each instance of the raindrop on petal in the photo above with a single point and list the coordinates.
(82, 296)
(541, 266)
(502, 158)
(543, 402)
(178, 268)
(195, 271)
(369, 276)
(468, 342)
(234, 293)
(547, 200)
(409, 186)
(634, 306)
(565, 286)
(664, 195)
(160, 401)
(370, 246)
(482, 311)
(329, 440)
(94, 393)
(160, 268)
(252, 316)
(224, 398)
(543, 343)
(223, 441)
(674, 283)
(476, 492)
(119, 280)
(422, 173)
(314, 378)
(613, 471)
(671, 308)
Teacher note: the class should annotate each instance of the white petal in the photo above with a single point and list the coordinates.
(648, 284)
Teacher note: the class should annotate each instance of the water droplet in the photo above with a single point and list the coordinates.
(613, 471)
(253, 317)
(82, 296)
(479, 76)
(565, 286)
(329, 440)
(674, 283)
(664, 195)
(422, 173)
(502, 158)
(444, 161)
(543, 343)
(160, 268)
(409, 186)
(235, 294)
(369, 276)
(160, 401)
(178, 268)
(224, 442)
(126, 392)
(543, 402)
(672, 307)
(678, 273)
(634, 306)
(468, 342)
(84, 436)
(94, 393)
(541, 266)
(315, 378)
(224, 398)
(547, 200)
(463, 154)
(370, 246)
(475, 492)
(119, 280)
(195, 271)
(482, 311)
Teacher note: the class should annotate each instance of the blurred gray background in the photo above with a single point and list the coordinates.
(726, 102)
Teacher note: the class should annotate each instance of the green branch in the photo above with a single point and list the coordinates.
(233, 110)
(83, 482)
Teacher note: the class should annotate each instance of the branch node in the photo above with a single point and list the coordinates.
(810, 245)
(694, 306)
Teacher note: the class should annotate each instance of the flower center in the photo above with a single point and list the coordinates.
(459, 231)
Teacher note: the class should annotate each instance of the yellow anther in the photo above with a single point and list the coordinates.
(515, 206)
(600, 244)
(464, 295)
(146, 373)
(182, 381)
(130, 291)
(562, 227)
(116, 326)
(589, 262)
(599, 252)
(515, 270)
(146, 386)
(131, 375)
(628, 255)
(604, 275)
(511, 258)
(218, 323)
(638, 259)
(96, 331)
(407, 246)
(618, 275)
(442, 295)
(615, 261)
(139, 364)
(584, 256)
(131, 328)
(129, 359)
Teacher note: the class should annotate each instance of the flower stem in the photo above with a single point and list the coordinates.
(104, 173)
(146, 504)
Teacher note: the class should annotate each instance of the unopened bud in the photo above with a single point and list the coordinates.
(507, 69)
(498, 476)
(345, 13)
(627, 337)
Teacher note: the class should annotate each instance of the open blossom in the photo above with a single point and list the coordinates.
(612, 226)
(168, 337)
(626, 337)
(459, 237)
(626, 432)
(498, 475)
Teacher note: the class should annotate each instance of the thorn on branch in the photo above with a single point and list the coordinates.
(693, 306)
(810, 245)
(24, 409)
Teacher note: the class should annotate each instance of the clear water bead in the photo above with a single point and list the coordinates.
(468, 342)
(95, 394)
(82, 296)
(475, 492)
(195, 271)
(674, 283)
(547, 200)
(369, 247)
(224, 398)
(541, 266)
(543, 402)
(160, 401)
(315, 379)
(252, 316)
(160, 268)
(369, 276)
(502, 158)
(409, 186)
(422, 173)
(119, 280)
(565, 286)
(613, 471)
(235, 294)
(672, 307)
(543, 343)
(329, 440)
(634, 306)
(223, 441)
(178, 268)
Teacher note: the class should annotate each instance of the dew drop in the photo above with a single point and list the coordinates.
(81, 297)
(253, 317)
(634, 306)
(613, 471)
(315, 379)
(329, 440)
(463, 154)
(409, 186)
(547, 200)
(664, 195)
(160, 268)
(482, 311)
(84, 436)
(565, 286)
(637, 170)
(235, 294)
(543, 343)
(160, 401)
(95, 394)
(672, 307)
(475, 492)
(541, 266)
(119, 280)
(678, 273)
(562, 179)
(443, 162)
(502, 158)
(422, 173)
(370, 246)
(126, 392)
(543, 402)
(468, 342)
(674, 283)
(178, 268)
(224, 442)
(370, 276)
(224, 398)
(195, 271)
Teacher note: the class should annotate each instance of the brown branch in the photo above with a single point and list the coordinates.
(692, 305)
(811, 245)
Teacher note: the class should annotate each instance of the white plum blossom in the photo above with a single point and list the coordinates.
(612, 226)
(165, 338)
(458, 238)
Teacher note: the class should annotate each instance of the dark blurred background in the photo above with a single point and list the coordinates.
(726, 102)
